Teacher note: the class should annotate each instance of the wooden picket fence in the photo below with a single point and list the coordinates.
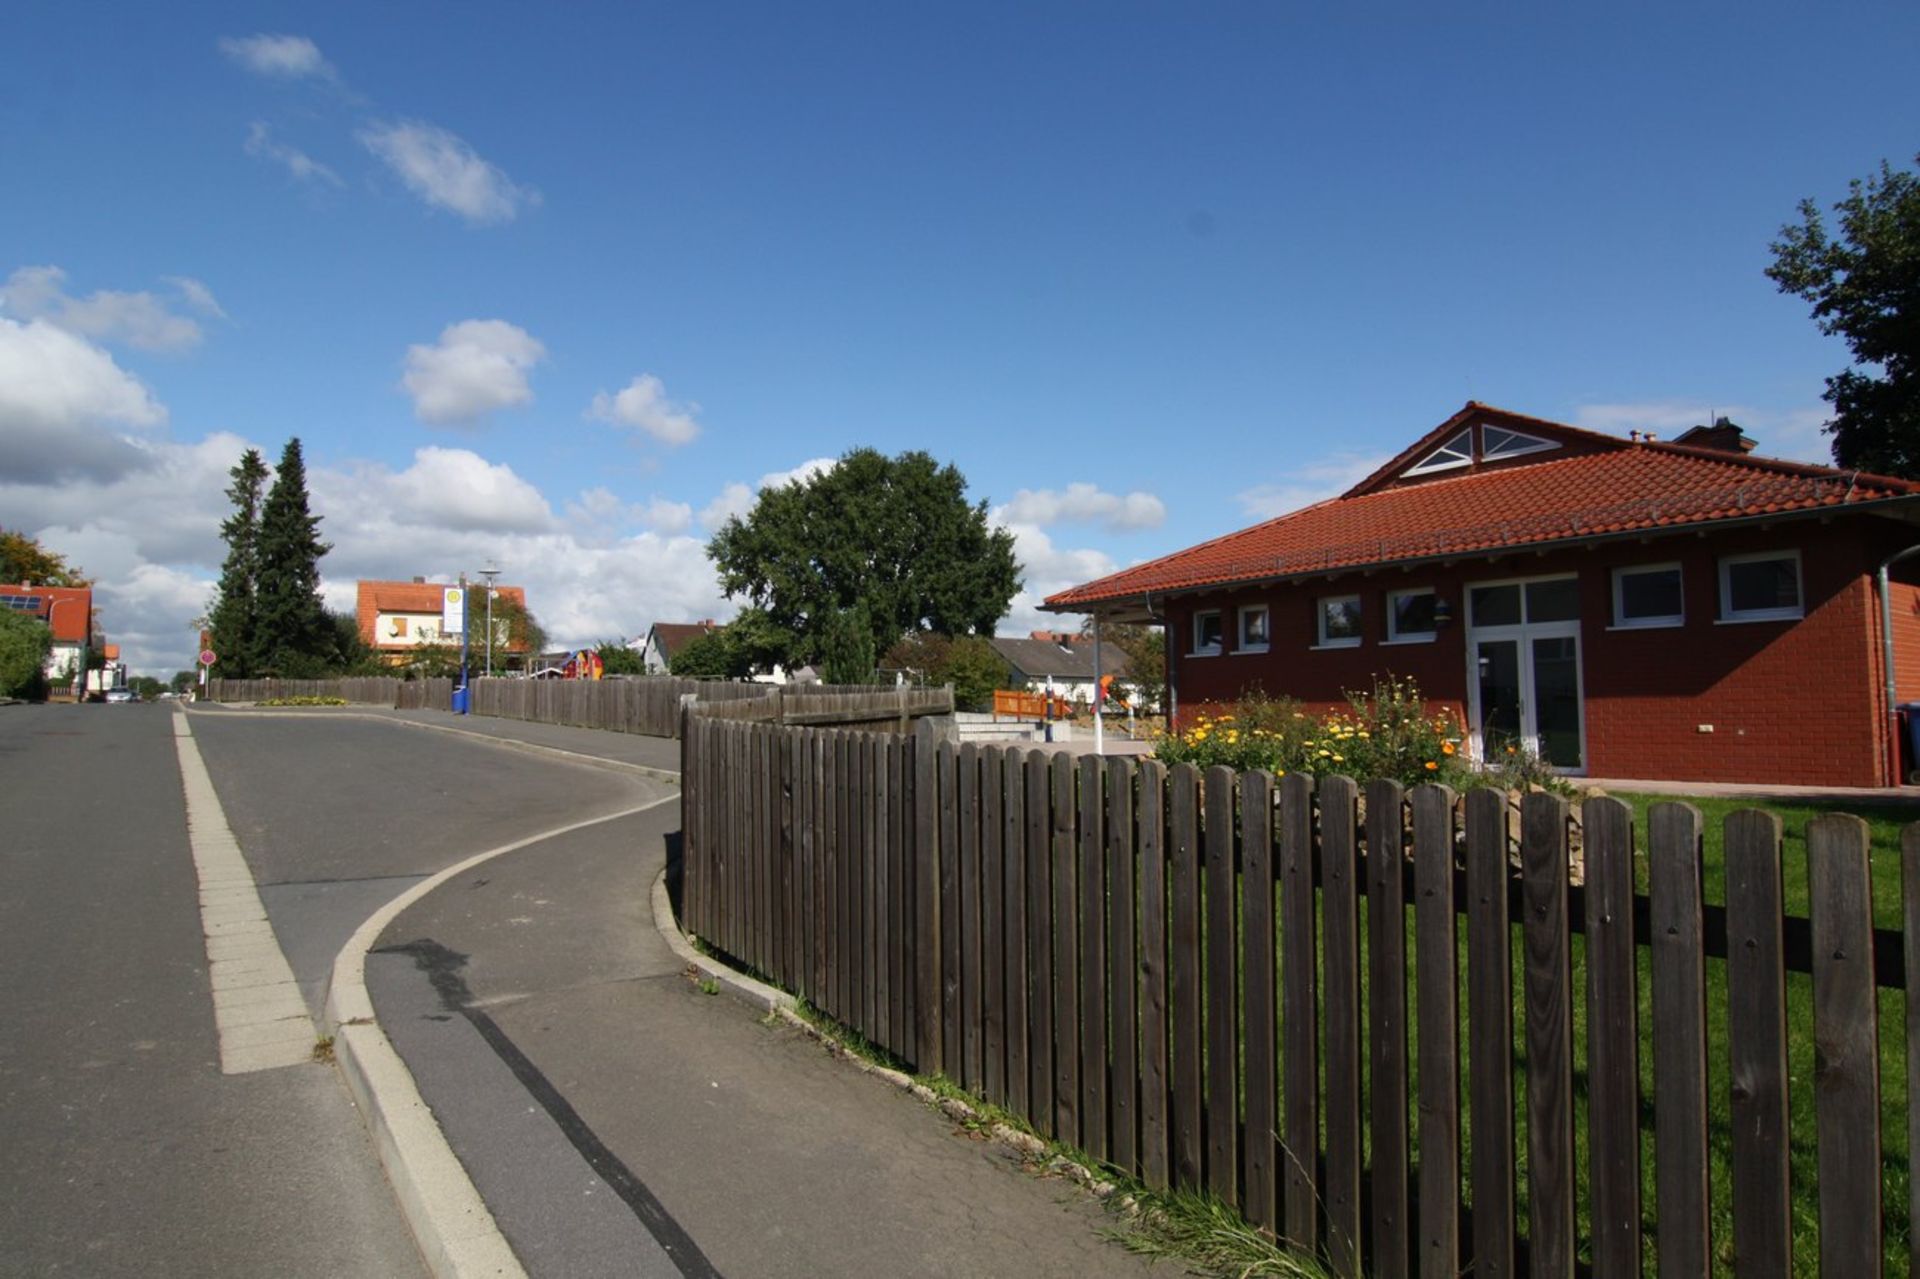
(1252, 987)
(649, 705)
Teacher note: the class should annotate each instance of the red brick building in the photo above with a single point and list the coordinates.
(1629, 608)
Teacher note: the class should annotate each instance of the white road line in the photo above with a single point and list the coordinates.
(262, 1021)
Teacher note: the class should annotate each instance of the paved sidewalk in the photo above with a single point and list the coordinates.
(618, 1120)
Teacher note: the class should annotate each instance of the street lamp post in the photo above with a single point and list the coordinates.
(490, 572)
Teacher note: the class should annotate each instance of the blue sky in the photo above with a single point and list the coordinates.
(562, 286)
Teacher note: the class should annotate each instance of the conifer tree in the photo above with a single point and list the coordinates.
(233, 621)
(296, 639)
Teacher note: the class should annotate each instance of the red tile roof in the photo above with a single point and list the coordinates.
(674, 636)
(1592, 486)
(71, 608)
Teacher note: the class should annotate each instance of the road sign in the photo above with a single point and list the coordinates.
(453, 611)
(206, 657)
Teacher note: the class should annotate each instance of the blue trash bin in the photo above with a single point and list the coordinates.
(1909, 713)
(460, 696)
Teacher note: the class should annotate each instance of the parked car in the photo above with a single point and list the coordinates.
(121, 695)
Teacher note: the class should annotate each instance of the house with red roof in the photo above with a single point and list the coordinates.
(1625, 607)
(397, 619)
(68, 613)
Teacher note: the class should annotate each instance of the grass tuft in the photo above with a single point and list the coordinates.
(1211, 1237)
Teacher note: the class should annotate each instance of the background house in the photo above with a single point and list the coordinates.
(68, 613)
(1623, 606)
(664, 639)
(398, 618)
(1061, 661)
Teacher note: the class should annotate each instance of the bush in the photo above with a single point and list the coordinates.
(1385, 733)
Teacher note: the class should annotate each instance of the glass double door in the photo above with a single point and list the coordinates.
(1524, 681)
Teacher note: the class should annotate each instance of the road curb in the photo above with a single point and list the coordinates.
(456, 1232)
(742, 987)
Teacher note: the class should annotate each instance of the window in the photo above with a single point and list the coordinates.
(1647, 595)
(1339, 625)
(1410, 616)
(1253, 629)
(1457, 451)
(1206, 633)
(1543, 599)
(1496, 443)
(1760, 588)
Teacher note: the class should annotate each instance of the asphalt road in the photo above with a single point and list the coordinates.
(123, 1149)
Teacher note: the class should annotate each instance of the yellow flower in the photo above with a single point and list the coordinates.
(1325, 754)
(1226, 719)
(1364, 734)
(1233, 736)
(1279, 772)
(1339, 759)
(1431, 766)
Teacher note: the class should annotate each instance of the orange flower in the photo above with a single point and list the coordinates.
(1431, 766)
(1446, 748)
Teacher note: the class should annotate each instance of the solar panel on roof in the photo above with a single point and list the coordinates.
(24, 603)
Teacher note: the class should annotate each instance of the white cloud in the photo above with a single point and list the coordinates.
(737, 499)
(197, 294)
(1314, 482)
(644, 405)
(734, 500)
(65, 407)
(261, 144)
(278, 57)
(444, 488)
(137, 319)
(603, 512)
(1083, 503)
(1792, 433)
(1046, 570)
(443, 170)
(476, 367)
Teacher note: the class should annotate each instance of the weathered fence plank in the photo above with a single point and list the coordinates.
(1013, 839)
(1757, 1107)
(1340, 940)
(1222, 1012)
(1490, 1032)
(1258, 991)
(1155, 1122)
(1066, 957)
(1387, 1015)
(1040, 957)
(1299, 1017)
(1846, 1075)
(951, 928)
(1679, 1039)
(1436, 986)
(993, 919)
(972, 966)
(928, 1043)
(1548, 947)
(1183, 837)
(1093, 958)
(1123, 1108)
(1613, 1042)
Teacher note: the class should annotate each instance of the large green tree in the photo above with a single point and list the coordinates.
(893, 537)
(24, 560)
(749, 645)
(24, 644)
(1864, 284)
(295, 639)
(233, 622)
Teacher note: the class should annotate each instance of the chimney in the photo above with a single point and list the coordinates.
(1722, 436)
(419, 581)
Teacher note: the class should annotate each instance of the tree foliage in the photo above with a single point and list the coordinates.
(891, 540)
(25, 642)
(1146, 650)
(749, 645)
(1864, 285)
(968, 662)
(616, 658)
(233, 622)
(24, 560)
(516, 633)
(847, 648)
(295, 639)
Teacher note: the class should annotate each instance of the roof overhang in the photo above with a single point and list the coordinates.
(1149, 608)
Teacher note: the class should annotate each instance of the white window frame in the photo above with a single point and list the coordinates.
(1435, 461)
(1208, 650)
(1516, 444)
(1621, 622)
(1730, 617)
(1320, 622)
(1241, 643)
(1412, 637)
